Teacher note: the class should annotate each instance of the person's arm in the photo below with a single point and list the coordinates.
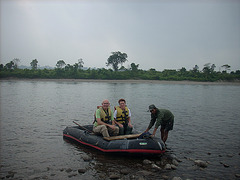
(159, 119)
(154, 131)
(158, 122)
(113, 122)
(150, 124)
(100, 122)
(129, 119)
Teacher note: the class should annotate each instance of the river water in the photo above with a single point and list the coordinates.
(34, 113)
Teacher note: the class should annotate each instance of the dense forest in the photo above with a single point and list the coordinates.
(76, 71)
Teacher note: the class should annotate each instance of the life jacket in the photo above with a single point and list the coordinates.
(122, 115)
(105, 116)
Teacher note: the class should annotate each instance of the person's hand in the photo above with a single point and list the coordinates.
(112, 126)
(153, 135)
(130, 125)
(120, 125)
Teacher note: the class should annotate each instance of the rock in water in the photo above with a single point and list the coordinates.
(168, 167)
(200, 163)
(146, 161)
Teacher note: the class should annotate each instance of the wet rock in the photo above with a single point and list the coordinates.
(229, 155)
(190, 159)
(125, 171)
(209, 153)
(48, 168)
(168, 167)
(81, 171)
(173, 167)
(139, 165)
(146, 162)
(178, 160)
(165, 177)
(144, 173)
(114, 176)
(172, 156)
(132, 177)
(10, 174)
(154, 166)
(226, 165)
(72, 175)
(237, 175)
(44, 177)
(176, 178)
(158, 163)
(175, 162)
(200, 163)
(68, 170)
(141, 178)
(113, 170)
(62, 169)
(86, 158)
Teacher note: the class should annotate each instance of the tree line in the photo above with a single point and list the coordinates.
(75, 71)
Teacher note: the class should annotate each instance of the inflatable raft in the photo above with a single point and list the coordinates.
(126, 144)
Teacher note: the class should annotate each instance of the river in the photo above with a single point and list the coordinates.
(34, 113)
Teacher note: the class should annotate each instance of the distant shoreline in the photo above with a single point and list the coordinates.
(127, 81)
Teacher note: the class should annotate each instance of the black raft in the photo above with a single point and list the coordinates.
(129, 144)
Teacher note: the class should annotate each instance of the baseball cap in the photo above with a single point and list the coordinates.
(151, 107)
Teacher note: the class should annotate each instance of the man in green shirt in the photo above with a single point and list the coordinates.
(104, 123)
(163, 118)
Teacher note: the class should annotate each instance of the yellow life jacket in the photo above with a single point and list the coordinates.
(105, 115)
(122, 115)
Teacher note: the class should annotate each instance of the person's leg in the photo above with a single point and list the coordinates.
(121, 130)
(165, 136)
(128, 130)
(102, 129)
(114, 132)
(162, 133)
(168, 127)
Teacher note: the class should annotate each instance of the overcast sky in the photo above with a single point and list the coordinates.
(160, 34)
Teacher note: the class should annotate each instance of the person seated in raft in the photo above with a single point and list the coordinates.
(122, 117)
(104, 121)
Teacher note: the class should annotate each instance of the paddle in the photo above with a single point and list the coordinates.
(83, 127)
(122, 137)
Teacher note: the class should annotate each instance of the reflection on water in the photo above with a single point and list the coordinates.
(34, 113)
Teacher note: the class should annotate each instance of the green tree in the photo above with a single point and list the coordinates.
(60, 64)
(206, 68)
(226, 66)
(196, 68)
(9, 65)
(16, 61)
(115, 59)
(212, 68)
(34, 64)
(134, 67)
(122, 68)
(80, 63)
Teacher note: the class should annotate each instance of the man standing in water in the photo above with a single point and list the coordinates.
(104, 123)
(163, 118)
